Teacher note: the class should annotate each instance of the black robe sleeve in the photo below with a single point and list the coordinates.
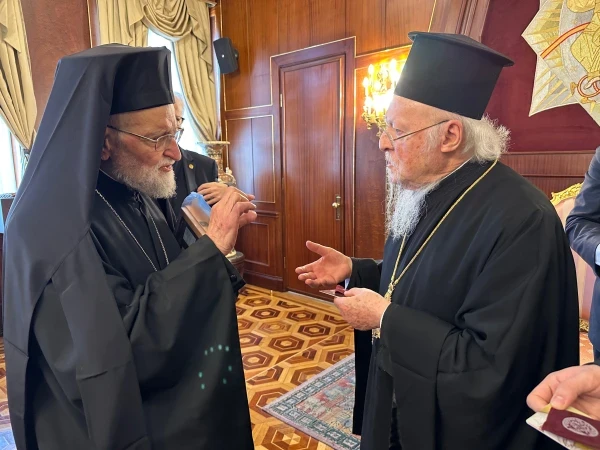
(450, 376)
(158, 316)
(366, 274)
(169, 321)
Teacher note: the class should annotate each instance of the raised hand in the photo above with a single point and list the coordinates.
(330, 269)
(227, 217)
(213, 192)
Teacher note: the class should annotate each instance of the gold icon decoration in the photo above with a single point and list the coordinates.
(191, 166)
(565, 36)
(379, 90)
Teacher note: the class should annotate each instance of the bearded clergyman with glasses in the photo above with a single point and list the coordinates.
(116, 337)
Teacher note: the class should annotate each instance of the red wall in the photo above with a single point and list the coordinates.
(565, 128)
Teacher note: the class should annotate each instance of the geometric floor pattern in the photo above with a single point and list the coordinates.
(286, 339)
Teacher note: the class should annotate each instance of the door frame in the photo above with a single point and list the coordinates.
(347, 49)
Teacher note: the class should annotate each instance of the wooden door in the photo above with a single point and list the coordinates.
(312, 132)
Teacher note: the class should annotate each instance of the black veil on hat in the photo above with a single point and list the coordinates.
(47, 235)
(451, 72)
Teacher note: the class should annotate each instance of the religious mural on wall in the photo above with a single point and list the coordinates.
(565, 35)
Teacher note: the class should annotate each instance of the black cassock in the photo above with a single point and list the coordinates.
(485, 312)
(183, 336)
(102, 351)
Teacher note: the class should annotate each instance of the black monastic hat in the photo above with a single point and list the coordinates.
(451, 72)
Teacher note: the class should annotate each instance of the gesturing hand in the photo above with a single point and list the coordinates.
(214, 192)
(227, 217)
(330, 269)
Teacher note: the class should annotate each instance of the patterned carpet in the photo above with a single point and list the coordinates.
(286, 339)
(323, 406)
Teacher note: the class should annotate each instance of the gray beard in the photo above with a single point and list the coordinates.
(404, 208)
(147, 180)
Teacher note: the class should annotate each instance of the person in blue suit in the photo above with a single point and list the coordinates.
(583, 229)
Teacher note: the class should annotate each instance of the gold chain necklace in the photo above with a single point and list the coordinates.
(394, 282)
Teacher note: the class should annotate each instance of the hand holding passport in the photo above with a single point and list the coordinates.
(571, 428)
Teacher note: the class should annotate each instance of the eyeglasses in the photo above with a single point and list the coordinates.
(160, 144)
(392, 139)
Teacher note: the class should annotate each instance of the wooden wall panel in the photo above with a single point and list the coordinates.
(239, 133)
(262, 43)
(461, 16)
(258, 231)
(366, 21)
(447, 15)
(327, 21)
(54, 29)
(251, 152)
(260, 29)
(234, 25)
(261, 243)
(403, 17)
(550, 171)
(303, 23)
(294, 24)
(263, 165)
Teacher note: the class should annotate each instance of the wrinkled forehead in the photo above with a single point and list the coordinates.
(151, 119)
(406, 111)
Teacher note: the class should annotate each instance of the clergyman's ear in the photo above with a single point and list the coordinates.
(453, 136)
(107, 146)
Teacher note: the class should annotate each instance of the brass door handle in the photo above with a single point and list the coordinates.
(336, 205)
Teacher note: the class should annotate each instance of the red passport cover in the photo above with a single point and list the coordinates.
(573, 426)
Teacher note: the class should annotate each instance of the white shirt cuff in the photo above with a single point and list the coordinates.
(598, 255)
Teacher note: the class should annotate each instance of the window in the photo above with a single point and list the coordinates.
(189, 140)
(8, 168)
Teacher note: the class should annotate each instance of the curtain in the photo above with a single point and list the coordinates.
(17, 100)
(187, 24)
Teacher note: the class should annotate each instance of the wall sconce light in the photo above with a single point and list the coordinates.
(379, 90)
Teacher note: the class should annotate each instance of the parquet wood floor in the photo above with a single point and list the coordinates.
(286, 339)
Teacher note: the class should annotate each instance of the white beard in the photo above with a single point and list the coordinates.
(404, 208)
(147, 180)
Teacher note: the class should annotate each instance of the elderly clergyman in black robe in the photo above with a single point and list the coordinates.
(115, 337)
(475, 301)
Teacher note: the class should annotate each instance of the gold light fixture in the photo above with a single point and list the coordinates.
(379, 91)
